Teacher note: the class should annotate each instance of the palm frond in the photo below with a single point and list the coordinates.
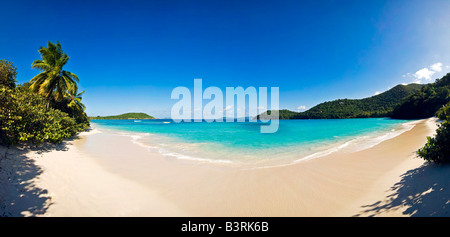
(71, 84)
(54, 81)
(48, 55)
(48, 86)
(71, 75)
(61, 90)
(41, 66)
(80, 105)
(37, 81)
(79, 95)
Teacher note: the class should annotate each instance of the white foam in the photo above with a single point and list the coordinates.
(186, 157)
(135, 139)
(325, 152)
(373, 141)
(354, 145)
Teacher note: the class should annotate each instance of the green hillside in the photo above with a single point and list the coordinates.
(125, 116)
(425, 102)
(380, 105)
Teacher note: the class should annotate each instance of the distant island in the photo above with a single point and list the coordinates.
(125, 116)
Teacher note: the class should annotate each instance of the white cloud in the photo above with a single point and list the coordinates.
(437, 67)
(301, 107)
(228, 107)
(377, 93)
(424, 73)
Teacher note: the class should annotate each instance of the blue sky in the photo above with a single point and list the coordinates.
(129, 55)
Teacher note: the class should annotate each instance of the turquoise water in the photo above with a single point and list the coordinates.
(243, 142)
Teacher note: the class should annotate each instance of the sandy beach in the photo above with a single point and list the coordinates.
(106, 174)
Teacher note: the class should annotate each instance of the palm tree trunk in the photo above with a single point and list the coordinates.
(48, 103)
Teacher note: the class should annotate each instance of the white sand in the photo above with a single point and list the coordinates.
(75, 185)
(104, 174)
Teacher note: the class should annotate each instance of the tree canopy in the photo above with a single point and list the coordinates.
(425, 102)
(8, 73)
(53, 82)
(46, 109)
(380, 105)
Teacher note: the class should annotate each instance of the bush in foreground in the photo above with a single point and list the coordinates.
(444, 112)
(437, 149)
(25, 119)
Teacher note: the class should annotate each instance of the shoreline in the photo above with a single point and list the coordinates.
(89, 177)
(289, 156)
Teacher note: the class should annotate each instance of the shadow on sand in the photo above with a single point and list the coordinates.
(19, 195)
(424, 191)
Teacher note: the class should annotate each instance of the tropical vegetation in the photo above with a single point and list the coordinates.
(381, 105)
(46, 109)
(412, 101)
(53, 82)
(432, 100)
(437, 148)
(425, 102)
(8, 74)
(444, 112)
(24, 118)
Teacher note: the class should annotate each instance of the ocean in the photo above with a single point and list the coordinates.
(242, 144)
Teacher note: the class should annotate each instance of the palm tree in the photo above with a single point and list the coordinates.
(75, 101)
(53, 82)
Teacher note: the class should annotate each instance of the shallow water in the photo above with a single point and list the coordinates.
(242, 142)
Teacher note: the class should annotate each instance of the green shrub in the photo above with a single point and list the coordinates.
(25, 119)
(444, 112)
(437, 149)
(78, 115)
(8, 74)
